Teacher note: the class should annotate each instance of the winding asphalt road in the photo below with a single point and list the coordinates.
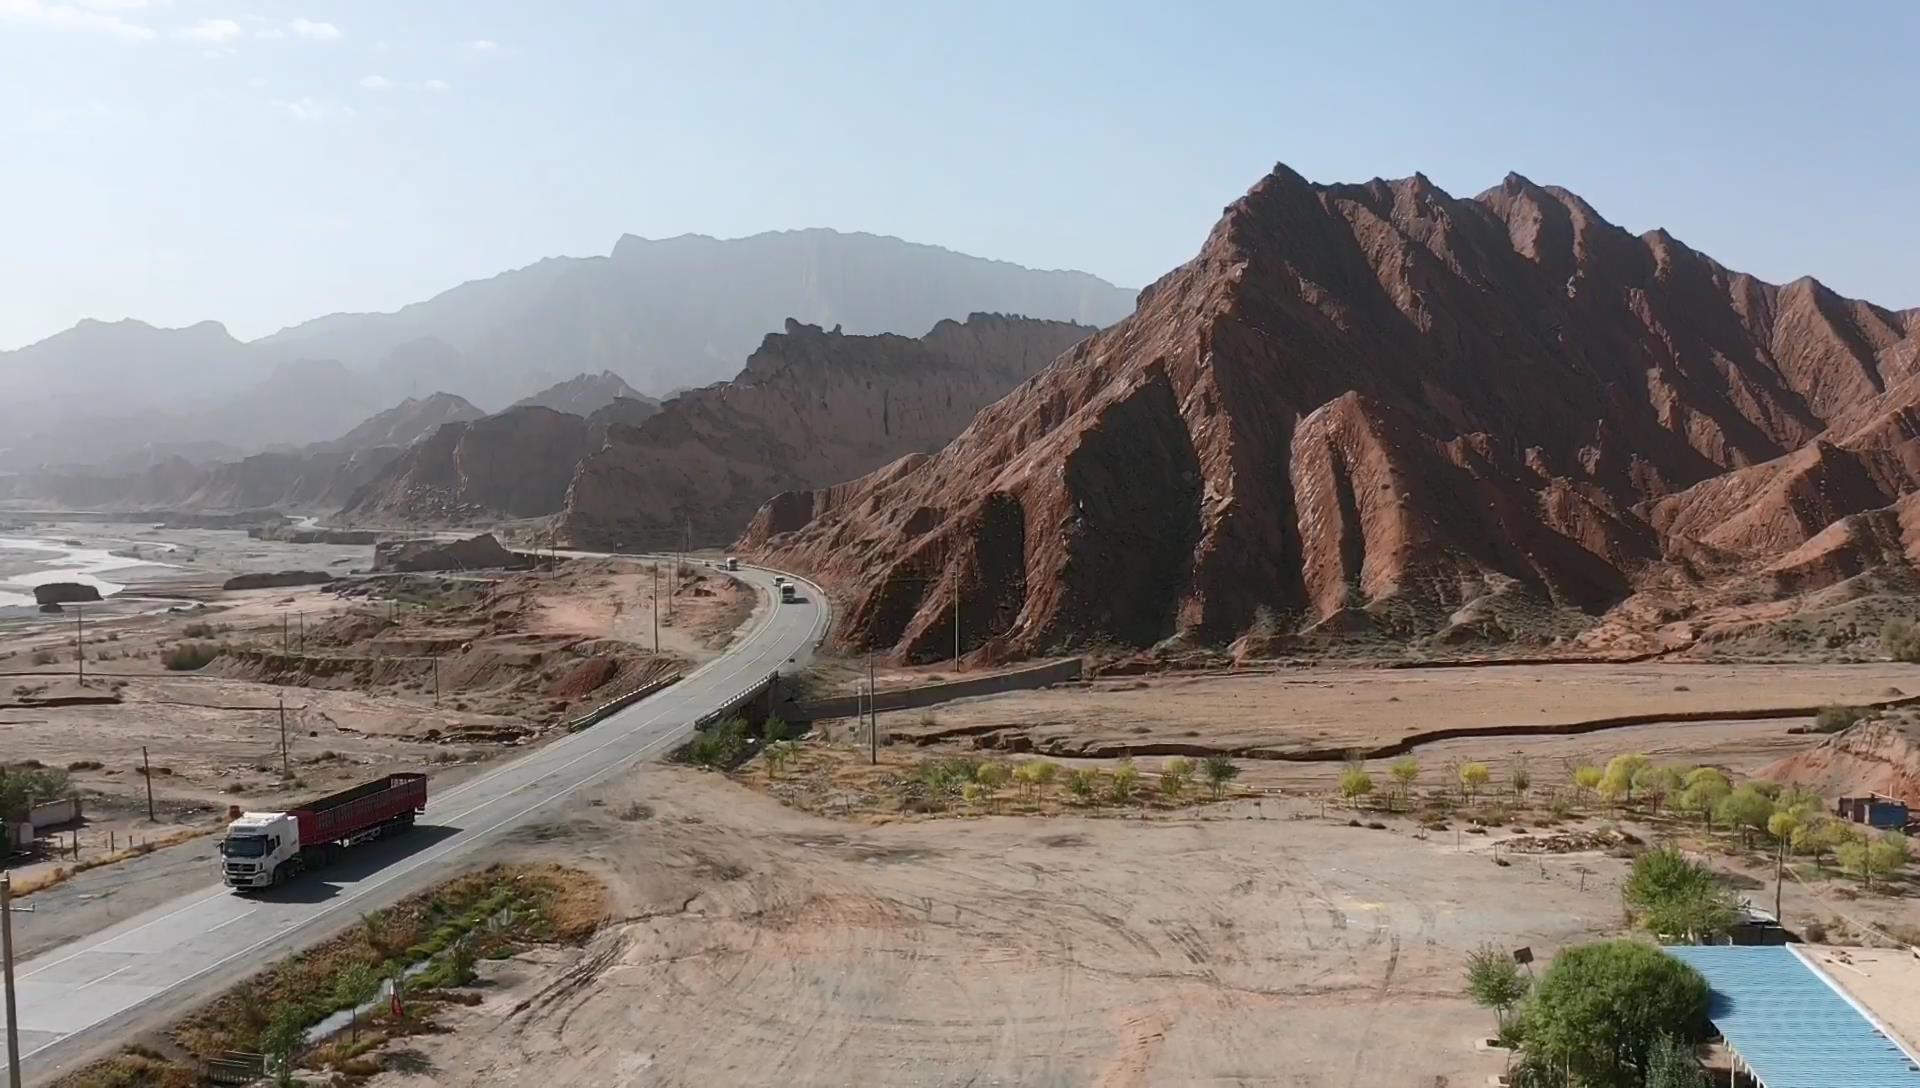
(75, 1000)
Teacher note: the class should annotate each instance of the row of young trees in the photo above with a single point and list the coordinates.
(979, 782)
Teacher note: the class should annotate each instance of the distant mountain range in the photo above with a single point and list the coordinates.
(657, 316)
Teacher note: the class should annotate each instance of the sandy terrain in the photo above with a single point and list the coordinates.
(1204, 948)
(1335, 709)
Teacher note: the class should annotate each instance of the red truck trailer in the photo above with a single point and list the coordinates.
(261, 849)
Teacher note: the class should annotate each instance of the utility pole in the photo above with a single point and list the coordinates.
(873, 715)
(303, 632)
(1779, 874)
(656, 606)
(80, 642)
(436, 679)
(286, 769)
(6, 957)
(956, 626)
(146, 772)
(283, 633)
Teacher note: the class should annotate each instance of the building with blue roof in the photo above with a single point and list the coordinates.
(1790, 1026)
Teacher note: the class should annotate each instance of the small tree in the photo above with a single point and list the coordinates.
(777, 754)
(280, 1043)
(1705, 789)
(1656, 784)
(1355, 784)
(1405, 771)
(1746, 810)
(353, 986)
(1474, 778)
(1126, 779)
(1083, 783)
(1174, 775)
(1620, 774)
(991, 777)
(1219, 771)
(975, 794)
(1675, 896)
(1600, 1008)
(774, 730)
(1781, 826)
(1519, 776)
(1586, 779)
(1495, 981)
(1041, 773)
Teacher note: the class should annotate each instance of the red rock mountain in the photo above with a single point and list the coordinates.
(514, 464)
(811, 407)
(1383, 405)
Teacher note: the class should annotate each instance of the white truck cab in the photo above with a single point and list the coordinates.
(259, 848)
(733, 563)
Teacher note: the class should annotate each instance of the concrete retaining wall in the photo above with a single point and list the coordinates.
(53, 813)
(846, 706)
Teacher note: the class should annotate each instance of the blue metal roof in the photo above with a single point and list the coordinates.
(1790, 1026)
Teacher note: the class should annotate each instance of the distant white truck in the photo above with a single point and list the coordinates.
(732, 563)
(788, 594)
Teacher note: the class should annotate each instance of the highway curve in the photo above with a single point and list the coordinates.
(76, 1001)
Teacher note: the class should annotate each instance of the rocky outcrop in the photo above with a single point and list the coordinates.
(1877, 756)
(585, 394)
(59, 593)
(483, 552)
(1377, 406)
(406, 423)
(514, 464)
(811, 407)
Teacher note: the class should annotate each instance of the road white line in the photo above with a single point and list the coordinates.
(105, 977)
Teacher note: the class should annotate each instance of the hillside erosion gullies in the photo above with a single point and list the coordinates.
(512, 464)
(811, 407)
(1382, 407)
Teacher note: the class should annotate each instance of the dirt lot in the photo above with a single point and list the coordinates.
(1206, 947)
(1303, 710)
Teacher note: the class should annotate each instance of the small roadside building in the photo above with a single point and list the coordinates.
(1788, 1025)
(1875, 810)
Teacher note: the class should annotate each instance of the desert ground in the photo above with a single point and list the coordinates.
(752, 944)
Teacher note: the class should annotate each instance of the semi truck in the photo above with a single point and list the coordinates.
(732, 563)
(263, 849)
(788, 595)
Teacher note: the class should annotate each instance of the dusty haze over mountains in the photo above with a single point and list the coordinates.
(658, 315)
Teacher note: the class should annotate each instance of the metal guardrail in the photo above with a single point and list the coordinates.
(621, 702)
(732, 706)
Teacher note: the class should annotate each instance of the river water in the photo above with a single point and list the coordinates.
(26, 562)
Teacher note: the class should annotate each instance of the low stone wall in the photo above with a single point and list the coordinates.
(846, 706)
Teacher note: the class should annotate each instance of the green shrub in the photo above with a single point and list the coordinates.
(188, 656)
(720, 746)
(1901, 639)
(1833, 719)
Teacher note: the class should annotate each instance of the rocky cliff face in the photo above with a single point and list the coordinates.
(513, 464)
(810, 408)
(1382, 406)
(585, 394)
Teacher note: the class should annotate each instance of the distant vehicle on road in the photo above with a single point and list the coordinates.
(262, 849)
(788, 595)
(732, 563)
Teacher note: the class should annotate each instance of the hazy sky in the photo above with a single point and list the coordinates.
(260, 162)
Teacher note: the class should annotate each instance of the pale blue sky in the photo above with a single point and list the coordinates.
(260, 162)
